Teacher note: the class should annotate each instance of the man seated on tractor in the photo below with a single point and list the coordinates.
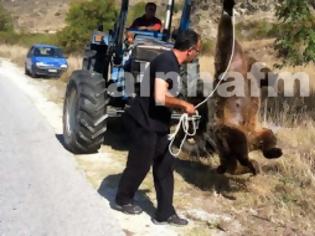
(148, 21)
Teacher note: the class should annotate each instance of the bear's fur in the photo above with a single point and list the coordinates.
(230, 125)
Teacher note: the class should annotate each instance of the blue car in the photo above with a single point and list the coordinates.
(45, 60)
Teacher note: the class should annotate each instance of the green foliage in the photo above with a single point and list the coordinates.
(6, 23)
(82, 19)
(135, 11)
(296, 37)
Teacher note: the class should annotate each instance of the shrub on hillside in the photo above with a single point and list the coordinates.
(296, 37)
(6, 23)
(82, 19)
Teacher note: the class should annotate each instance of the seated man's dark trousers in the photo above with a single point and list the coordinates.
(146, 148)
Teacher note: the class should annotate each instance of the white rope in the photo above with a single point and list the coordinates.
(184, 123)
(185, 118)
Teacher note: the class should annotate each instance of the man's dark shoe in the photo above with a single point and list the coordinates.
(131, 209)
(172, 220)
(228, 6)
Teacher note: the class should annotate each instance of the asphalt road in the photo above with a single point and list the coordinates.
(41, 191)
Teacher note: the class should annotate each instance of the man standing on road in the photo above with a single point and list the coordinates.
(148, 123)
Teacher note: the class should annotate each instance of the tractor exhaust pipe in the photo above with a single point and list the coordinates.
(185, 19)
(169, 16)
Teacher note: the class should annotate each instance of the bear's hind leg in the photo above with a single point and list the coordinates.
(251, 165)
(267, 142)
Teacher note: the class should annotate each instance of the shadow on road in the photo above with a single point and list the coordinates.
(108, 190)
(61, 140)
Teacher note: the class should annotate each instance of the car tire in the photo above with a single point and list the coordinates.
(84, 113)
(33, 73)
(26, 72)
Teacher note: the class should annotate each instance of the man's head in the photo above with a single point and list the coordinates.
(188, 44)
(150, 10)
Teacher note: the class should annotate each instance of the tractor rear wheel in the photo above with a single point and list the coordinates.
(84, 113)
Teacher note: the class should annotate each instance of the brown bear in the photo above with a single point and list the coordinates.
(230, 125)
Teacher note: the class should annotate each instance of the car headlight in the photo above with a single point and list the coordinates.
(41, 64)
(64, 66)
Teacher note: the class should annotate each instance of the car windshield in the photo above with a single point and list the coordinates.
(48, 52)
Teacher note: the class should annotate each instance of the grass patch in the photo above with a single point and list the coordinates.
(14, 53)
(199, 231)
(26, 39)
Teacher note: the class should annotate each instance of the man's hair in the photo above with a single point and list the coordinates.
(149, 4)
(186, 39)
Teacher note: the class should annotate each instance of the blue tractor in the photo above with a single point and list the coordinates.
(90, 98)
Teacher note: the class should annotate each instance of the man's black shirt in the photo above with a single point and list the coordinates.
(143, 21)
(144, 109)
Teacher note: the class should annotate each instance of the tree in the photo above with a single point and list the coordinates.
(296, 38)
(135, 11)
(82, 19)
(5, 20)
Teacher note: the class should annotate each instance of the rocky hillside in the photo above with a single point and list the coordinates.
(37, 15)
(41, 16)
(206, 13)
(48, 16)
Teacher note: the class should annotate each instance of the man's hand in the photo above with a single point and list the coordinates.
(129, 37)
(162, 97)
(142, 28)
(189, 108)
(155, 27)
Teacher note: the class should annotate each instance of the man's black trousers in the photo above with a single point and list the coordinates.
(146, 148)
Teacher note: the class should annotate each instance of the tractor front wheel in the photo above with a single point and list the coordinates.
(84, 113)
